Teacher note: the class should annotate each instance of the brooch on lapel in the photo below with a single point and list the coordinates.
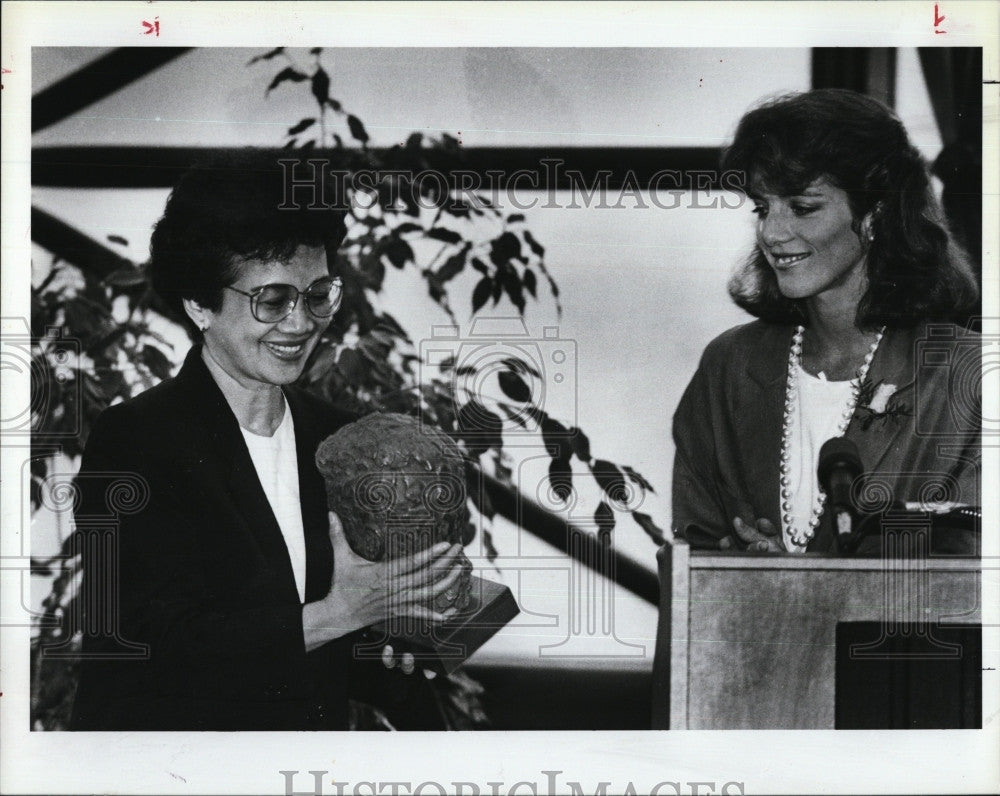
(875, 403)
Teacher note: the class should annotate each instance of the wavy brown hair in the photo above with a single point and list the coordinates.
(916, 271)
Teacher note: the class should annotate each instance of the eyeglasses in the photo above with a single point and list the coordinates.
(274, 303)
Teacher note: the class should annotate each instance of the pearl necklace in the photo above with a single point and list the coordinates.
(791, 393)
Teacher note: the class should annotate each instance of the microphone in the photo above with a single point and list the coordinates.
(839, 465)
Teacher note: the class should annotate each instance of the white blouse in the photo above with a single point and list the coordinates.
(277, 467)
(816, 418)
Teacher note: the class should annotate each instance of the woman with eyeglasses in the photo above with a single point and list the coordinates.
(852, 276)
(224, 596)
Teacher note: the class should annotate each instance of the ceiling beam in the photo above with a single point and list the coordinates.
(557, 168)
(74, 246)
(95, 81)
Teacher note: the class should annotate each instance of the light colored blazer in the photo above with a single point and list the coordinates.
(917, 427)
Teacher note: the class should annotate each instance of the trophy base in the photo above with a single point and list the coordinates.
(444, 647)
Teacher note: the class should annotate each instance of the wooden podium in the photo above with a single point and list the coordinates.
(750, 641)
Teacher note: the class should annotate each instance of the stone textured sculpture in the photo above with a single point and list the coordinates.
(398, 486)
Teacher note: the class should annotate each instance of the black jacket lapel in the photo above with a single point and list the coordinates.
(224, 451)
(759, 424)
(892, 369)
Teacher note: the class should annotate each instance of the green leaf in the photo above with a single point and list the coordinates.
(653, 531)
(481, 293)
(447, 363)
(435, 288)
(320, 85)
(531, 282)
(496, 289)
(491, 556)
(34, 495)
(399, 252)
(536, 247)
(611, 480)
(357, 129)
(555, 437)
(520, 366)
(305, 124)
(445, 235)
(512, 286)
(286, 74)
(638, 479)
(266, 56)
(373, 350)
(561, 479)
(352, 366)
(157, 362)
(407, 226)
(372, 269)
(453, 266)
(393, 327)
(514, 387)
(604, 517)
(580, 445)
(504, 248)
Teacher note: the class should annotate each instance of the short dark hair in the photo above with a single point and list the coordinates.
(916, 271)
(227, 211)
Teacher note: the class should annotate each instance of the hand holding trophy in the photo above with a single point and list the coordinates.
(399, 488)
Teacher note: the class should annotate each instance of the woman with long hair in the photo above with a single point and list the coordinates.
(853, 274)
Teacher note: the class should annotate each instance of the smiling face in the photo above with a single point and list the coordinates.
(255, 353)
(810, 244)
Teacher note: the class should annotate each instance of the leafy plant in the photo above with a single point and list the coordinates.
(92, 346)
(402, 221)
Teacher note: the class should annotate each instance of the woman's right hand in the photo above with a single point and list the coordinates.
(366, 592)
(761, 537)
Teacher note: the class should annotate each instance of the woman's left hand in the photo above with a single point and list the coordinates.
(407, 663)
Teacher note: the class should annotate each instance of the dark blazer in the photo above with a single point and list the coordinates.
(727, 427)
(202, 578)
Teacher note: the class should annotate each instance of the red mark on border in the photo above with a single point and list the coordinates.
(938, 19)
(154, 26)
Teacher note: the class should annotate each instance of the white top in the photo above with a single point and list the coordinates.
(820, 405)
(277, 467)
